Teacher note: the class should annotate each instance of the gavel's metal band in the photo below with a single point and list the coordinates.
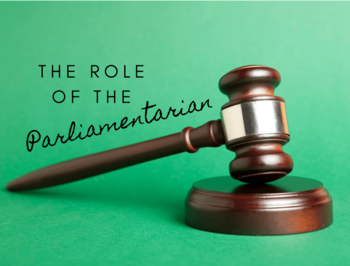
(256, 117)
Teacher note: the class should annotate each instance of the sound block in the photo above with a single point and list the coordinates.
(290, 205)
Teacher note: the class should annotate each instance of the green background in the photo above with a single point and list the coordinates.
(135, 216)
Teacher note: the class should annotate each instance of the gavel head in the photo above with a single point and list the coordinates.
(255, 124)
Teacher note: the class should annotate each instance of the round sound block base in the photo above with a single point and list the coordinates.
(291, 205)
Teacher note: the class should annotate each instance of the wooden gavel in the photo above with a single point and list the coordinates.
(253, 125)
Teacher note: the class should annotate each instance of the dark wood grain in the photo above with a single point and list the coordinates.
(259, 158)
(190, 140)
(290, 205)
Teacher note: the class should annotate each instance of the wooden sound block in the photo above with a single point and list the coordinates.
(291, 205)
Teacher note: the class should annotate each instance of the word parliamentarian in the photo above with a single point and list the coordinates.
(110, 71)
(34, 136)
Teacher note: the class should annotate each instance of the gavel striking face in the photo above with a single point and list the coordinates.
(253, 125)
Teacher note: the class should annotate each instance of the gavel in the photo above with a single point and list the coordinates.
(253, 125)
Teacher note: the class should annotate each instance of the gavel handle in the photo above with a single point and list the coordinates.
(190, 140)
